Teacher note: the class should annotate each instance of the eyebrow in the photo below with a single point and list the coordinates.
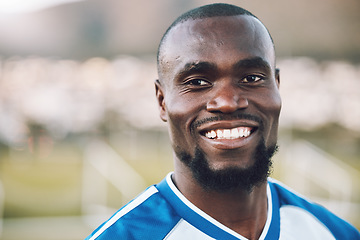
(255, 62)
(196, 67)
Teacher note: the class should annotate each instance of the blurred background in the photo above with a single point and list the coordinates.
(79, 128)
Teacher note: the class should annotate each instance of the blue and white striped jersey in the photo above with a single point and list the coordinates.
(162, 212)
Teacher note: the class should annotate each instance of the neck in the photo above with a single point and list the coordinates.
(240, 210)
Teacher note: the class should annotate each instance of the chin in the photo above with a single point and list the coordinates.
(232, 159)
(232, 174)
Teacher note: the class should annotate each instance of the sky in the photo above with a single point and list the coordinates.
(20, 6)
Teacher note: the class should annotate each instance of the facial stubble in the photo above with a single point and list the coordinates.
(231, 178)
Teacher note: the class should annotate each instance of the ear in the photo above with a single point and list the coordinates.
(161, 100)
(277, 77)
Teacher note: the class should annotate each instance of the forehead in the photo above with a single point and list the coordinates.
(220, 40)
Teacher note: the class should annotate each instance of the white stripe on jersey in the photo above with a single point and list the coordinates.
(136, 202)
(184, 230)
(297, 223)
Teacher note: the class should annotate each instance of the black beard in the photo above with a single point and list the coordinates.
(231, 178)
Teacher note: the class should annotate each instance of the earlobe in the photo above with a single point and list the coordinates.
(161, 100)
(277, 77)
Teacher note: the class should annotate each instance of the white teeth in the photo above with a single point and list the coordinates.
(241, 132)
(233, 133)
(227, 133)
(219, 134)
(211, 134)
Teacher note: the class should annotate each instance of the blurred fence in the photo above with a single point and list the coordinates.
(304, 167)
(103, 165)
(323, 178)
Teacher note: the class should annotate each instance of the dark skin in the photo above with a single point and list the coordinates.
(218, 67)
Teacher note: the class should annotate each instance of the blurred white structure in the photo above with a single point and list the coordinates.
(323, 178)
(103, 166)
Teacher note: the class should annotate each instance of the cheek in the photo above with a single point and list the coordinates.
(274, 108)
(181, 112)
(270, 105)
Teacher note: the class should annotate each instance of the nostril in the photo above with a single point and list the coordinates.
(227, 104)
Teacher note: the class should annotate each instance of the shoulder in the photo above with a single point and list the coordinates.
(139, 218)
(299, 210)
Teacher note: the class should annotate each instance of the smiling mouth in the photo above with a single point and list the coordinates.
(233, 133)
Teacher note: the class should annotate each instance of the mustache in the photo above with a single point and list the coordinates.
(229, 117)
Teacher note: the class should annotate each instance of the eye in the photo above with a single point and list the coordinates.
(198, 82)
(252, 79)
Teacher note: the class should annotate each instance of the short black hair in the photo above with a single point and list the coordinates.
(207, 11)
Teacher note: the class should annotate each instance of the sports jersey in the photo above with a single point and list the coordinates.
(162, 212)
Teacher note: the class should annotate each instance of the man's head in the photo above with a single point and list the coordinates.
(218, 91)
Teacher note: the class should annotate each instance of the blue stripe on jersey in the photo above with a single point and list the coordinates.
(337, 226)
(274, 229)
(140, 222)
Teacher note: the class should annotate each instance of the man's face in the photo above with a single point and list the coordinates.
(218, 90)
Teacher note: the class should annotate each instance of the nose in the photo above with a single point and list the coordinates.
(227, 98)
